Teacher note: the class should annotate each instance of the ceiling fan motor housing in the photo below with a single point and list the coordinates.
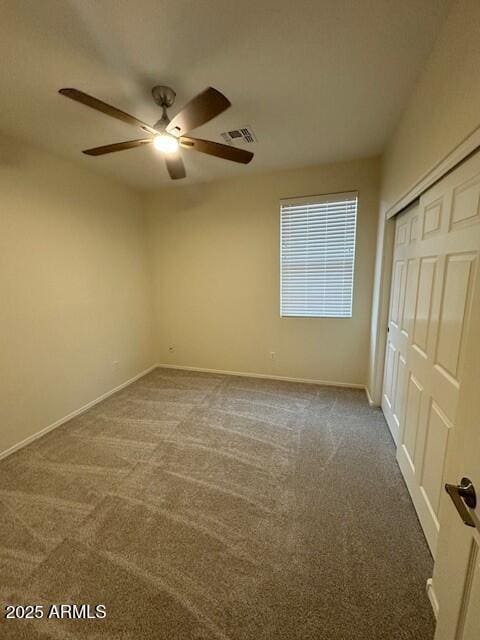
(163, 96)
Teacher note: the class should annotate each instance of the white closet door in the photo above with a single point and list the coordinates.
(400, 318)
(435, 263)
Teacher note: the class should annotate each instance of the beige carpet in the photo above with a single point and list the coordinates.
(203, 507)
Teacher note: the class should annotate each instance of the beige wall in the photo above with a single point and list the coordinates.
(215, 259)
(444, 107)
(442, 111)
(74, 289)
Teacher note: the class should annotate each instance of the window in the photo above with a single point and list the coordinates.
(317, 255)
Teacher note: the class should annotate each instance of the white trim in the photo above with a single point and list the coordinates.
(369, 398)
(339, 196)
(381, 305)
(73, 414)
(467, 146)
(248, 374)
(432, 597)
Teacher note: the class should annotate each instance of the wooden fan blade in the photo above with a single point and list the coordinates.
(175, 166)
(215, 149)
(97, 104)
(200, 110)
(118, 146)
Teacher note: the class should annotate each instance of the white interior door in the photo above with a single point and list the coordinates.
(400, 317)
(456, 578)
(435, 263)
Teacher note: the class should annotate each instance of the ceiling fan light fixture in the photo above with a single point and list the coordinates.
(165, 143)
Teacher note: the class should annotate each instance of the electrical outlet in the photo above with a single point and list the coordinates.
(273, 355)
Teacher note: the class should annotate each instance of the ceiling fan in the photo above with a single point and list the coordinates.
(166, 135)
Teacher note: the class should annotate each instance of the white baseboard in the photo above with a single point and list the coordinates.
(329, 383)
(77, 412)
(369, 398)
(432, 597)
(73, 414)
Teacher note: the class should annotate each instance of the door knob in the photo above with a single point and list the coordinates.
(463, 494)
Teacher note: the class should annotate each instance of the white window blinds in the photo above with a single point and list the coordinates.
(317, 255)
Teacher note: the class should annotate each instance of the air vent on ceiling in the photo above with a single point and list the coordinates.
(244, 135)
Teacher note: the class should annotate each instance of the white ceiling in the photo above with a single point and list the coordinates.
(318, 80)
